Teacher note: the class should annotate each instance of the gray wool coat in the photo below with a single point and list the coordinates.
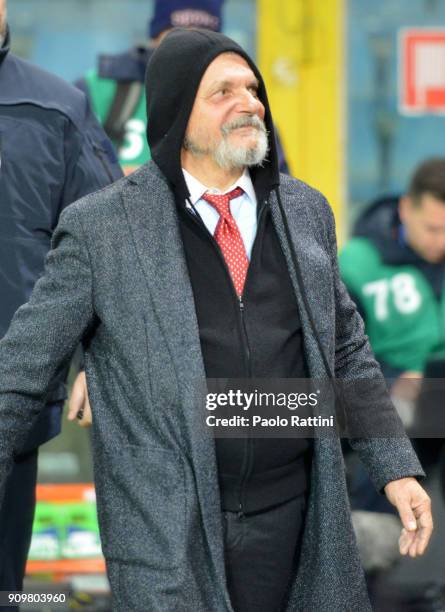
(117, 278)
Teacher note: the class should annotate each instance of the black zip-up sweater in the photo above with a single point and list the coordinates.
(261, 336)
(258, 336)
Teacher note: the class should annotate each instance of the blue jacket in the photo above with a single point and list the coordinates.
(52, 152)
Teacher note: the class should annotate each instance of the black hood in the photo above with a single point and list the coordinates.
(174, 73)
(4, 49)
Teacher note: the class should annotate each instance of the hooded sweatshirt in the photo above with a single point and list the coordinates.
(400, 295)
(260, 335)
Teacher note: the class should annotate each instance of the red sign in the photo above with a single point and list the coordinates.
(422, 71)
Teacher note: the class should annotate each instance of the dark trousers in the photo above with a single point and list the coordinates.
(262, 552)
(16, 517)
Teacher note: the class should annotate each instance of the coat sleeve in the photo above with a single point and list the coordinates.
(90, 159)
(368, 408)
(42, 336)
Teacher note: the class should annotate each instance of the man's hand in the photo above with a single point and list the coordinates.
(414, 508)
(79, 404)
(407, 386)
(404, 393)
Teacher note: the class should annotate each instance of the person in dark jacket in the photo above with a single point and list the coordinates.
(52, 152)
(206, 262)
(116, 86)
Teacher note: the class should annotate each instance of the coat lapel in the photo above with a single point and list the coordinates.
(151, 212)
(316, 274)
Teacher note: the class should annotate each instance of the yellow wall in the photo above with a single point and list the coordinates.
(300, 54)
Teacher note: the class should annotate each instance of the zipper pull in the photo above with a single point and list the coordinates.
(241, 303)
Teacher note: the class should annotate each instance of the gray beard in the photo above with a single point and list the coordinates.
(229, 157)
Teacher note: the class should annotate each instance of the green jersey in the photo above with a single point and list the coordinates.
(404, 319)
(134, 150)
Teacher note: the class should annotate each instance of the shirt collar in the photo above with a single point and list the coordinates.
(197, 189)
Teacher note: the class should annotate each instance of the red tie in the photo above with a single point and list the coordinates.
(228, 236)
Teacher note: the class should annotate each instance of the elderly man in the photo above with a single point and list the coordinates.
(52, 152)
(116, 90)
(207, 262)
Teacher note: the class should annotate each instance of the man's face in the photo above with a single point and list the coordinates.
(2, 17)
(226, 123)
(424, 222)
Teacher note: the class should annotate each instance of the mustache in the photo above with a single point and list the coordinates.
(247, 121)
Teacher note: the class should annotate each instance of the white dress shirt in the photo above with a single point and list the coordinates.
(243, 208)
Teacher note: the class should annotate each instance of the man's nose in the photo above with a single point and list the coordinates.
(251, 104)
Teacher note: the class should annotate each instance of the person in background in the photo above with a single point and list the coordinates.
(116, 86)
(208, 263)
(52, 152)
(394, 269)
